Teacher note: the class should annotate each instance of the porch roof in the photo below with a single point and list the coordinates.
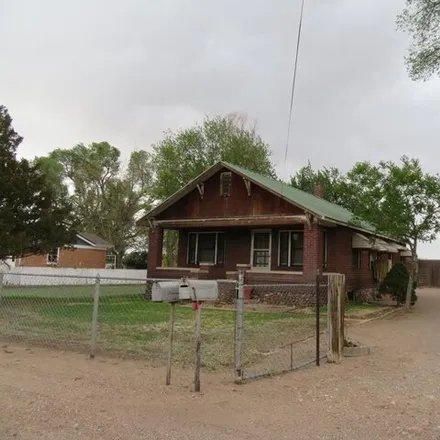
(260, 220)
(360, 241)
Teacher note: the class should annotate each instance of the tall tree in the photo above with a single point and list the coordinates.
(421, 19)
(106, 196)
(33, 217)
(399, 199)
(182, 156)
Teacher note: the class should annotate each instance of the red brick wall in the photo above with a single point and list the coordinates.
(73, 258)
(155, 246)
(340, 259)
(313, 248)
(238, 248)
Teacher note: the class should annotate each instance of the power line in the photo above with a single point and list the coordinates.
(295, 68)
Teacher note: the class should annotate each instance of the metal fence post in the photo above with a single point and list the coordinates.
(239, 329)
(198, 347)
(1, 285)
(170, 341)
(318, 306)
(95, 315)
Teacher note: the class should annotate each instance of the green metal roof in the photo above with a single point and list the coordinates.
(316, 205)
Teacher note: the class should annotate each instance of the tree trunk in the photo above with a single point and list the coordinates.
(413, 272)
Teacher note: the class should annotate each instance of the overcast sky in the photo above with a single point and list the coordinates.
(125, 71)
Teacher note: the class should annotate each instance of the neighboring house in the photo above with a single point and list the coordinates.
(229, 218)
(89, 251)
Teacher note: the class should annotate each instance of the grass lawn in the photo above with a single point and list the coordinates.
(130, 326)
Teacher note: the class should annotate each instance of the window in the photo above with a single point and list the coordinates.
(261, 243)
(225, 184)
(192, 248)
(325, 249)
(206, 247)
(291, 248)
(356, 258)
(53, 256)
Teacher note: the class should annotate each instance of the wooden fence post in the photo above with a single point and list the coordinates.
(335, 317)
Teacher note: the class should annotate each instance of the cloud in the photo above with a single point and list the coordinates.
(126, 71)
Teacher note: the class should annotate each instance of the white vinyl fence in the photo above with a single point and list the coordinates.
(49, 276)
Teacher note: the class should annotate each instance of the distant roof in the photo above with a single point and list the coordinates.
(313, 204)
(95, 240)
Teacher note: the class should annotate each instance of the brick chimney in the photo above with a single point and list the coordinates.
(318, 191)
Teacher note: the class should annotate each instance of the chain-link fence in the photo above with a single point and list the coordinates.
(113, 316)
(256, 330)
(279, 328)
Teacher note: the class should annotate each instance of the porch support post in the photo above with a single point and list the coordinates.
(155, 245)
(313, 250)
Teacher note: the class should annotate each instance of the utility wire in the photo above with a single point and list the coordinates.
(295, 68)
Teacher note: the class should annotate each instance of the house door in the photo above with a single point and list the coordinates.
(261, 249)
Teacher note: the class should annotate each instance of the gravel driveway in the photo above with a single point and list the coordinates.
(392, 394)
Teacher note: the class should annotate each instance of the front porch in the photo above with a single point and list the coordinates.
(281, 248)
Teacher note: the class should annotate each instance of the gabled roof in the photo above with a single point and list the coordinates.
(315, 205)
(94, 240)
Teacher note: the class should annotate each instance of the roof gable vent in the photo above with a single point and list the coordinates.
(225, 183)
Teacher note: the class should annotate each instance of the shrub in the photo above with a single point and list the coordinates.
(395, 284)
(135, 260)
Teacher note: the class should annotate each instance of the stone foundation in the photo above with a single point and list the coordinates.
(365, 295)
(297, 295)
(226, 292)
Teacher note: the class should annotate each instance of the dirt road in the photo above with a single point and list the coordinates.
(392, 394)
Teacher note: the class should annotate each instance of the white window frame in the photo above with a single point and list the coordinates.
(289, 256)
(197, 247)
(50, 263)
(259, 231)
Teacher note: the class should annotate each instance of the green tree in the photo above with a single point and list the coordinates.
(398, 199)
(330, 179)
(106, 196)
(33, 217)
(183, 155)
(421, 19)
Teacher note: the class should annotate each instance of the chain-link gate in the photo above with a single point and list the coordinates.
(279, 327)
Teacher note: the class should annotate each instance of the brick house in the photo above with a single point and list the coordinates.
(89, 252)
(230, 218)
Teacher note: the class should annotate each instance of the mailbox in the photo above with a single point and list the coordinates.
(185, 291)
(167, 291)
(198, 290)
